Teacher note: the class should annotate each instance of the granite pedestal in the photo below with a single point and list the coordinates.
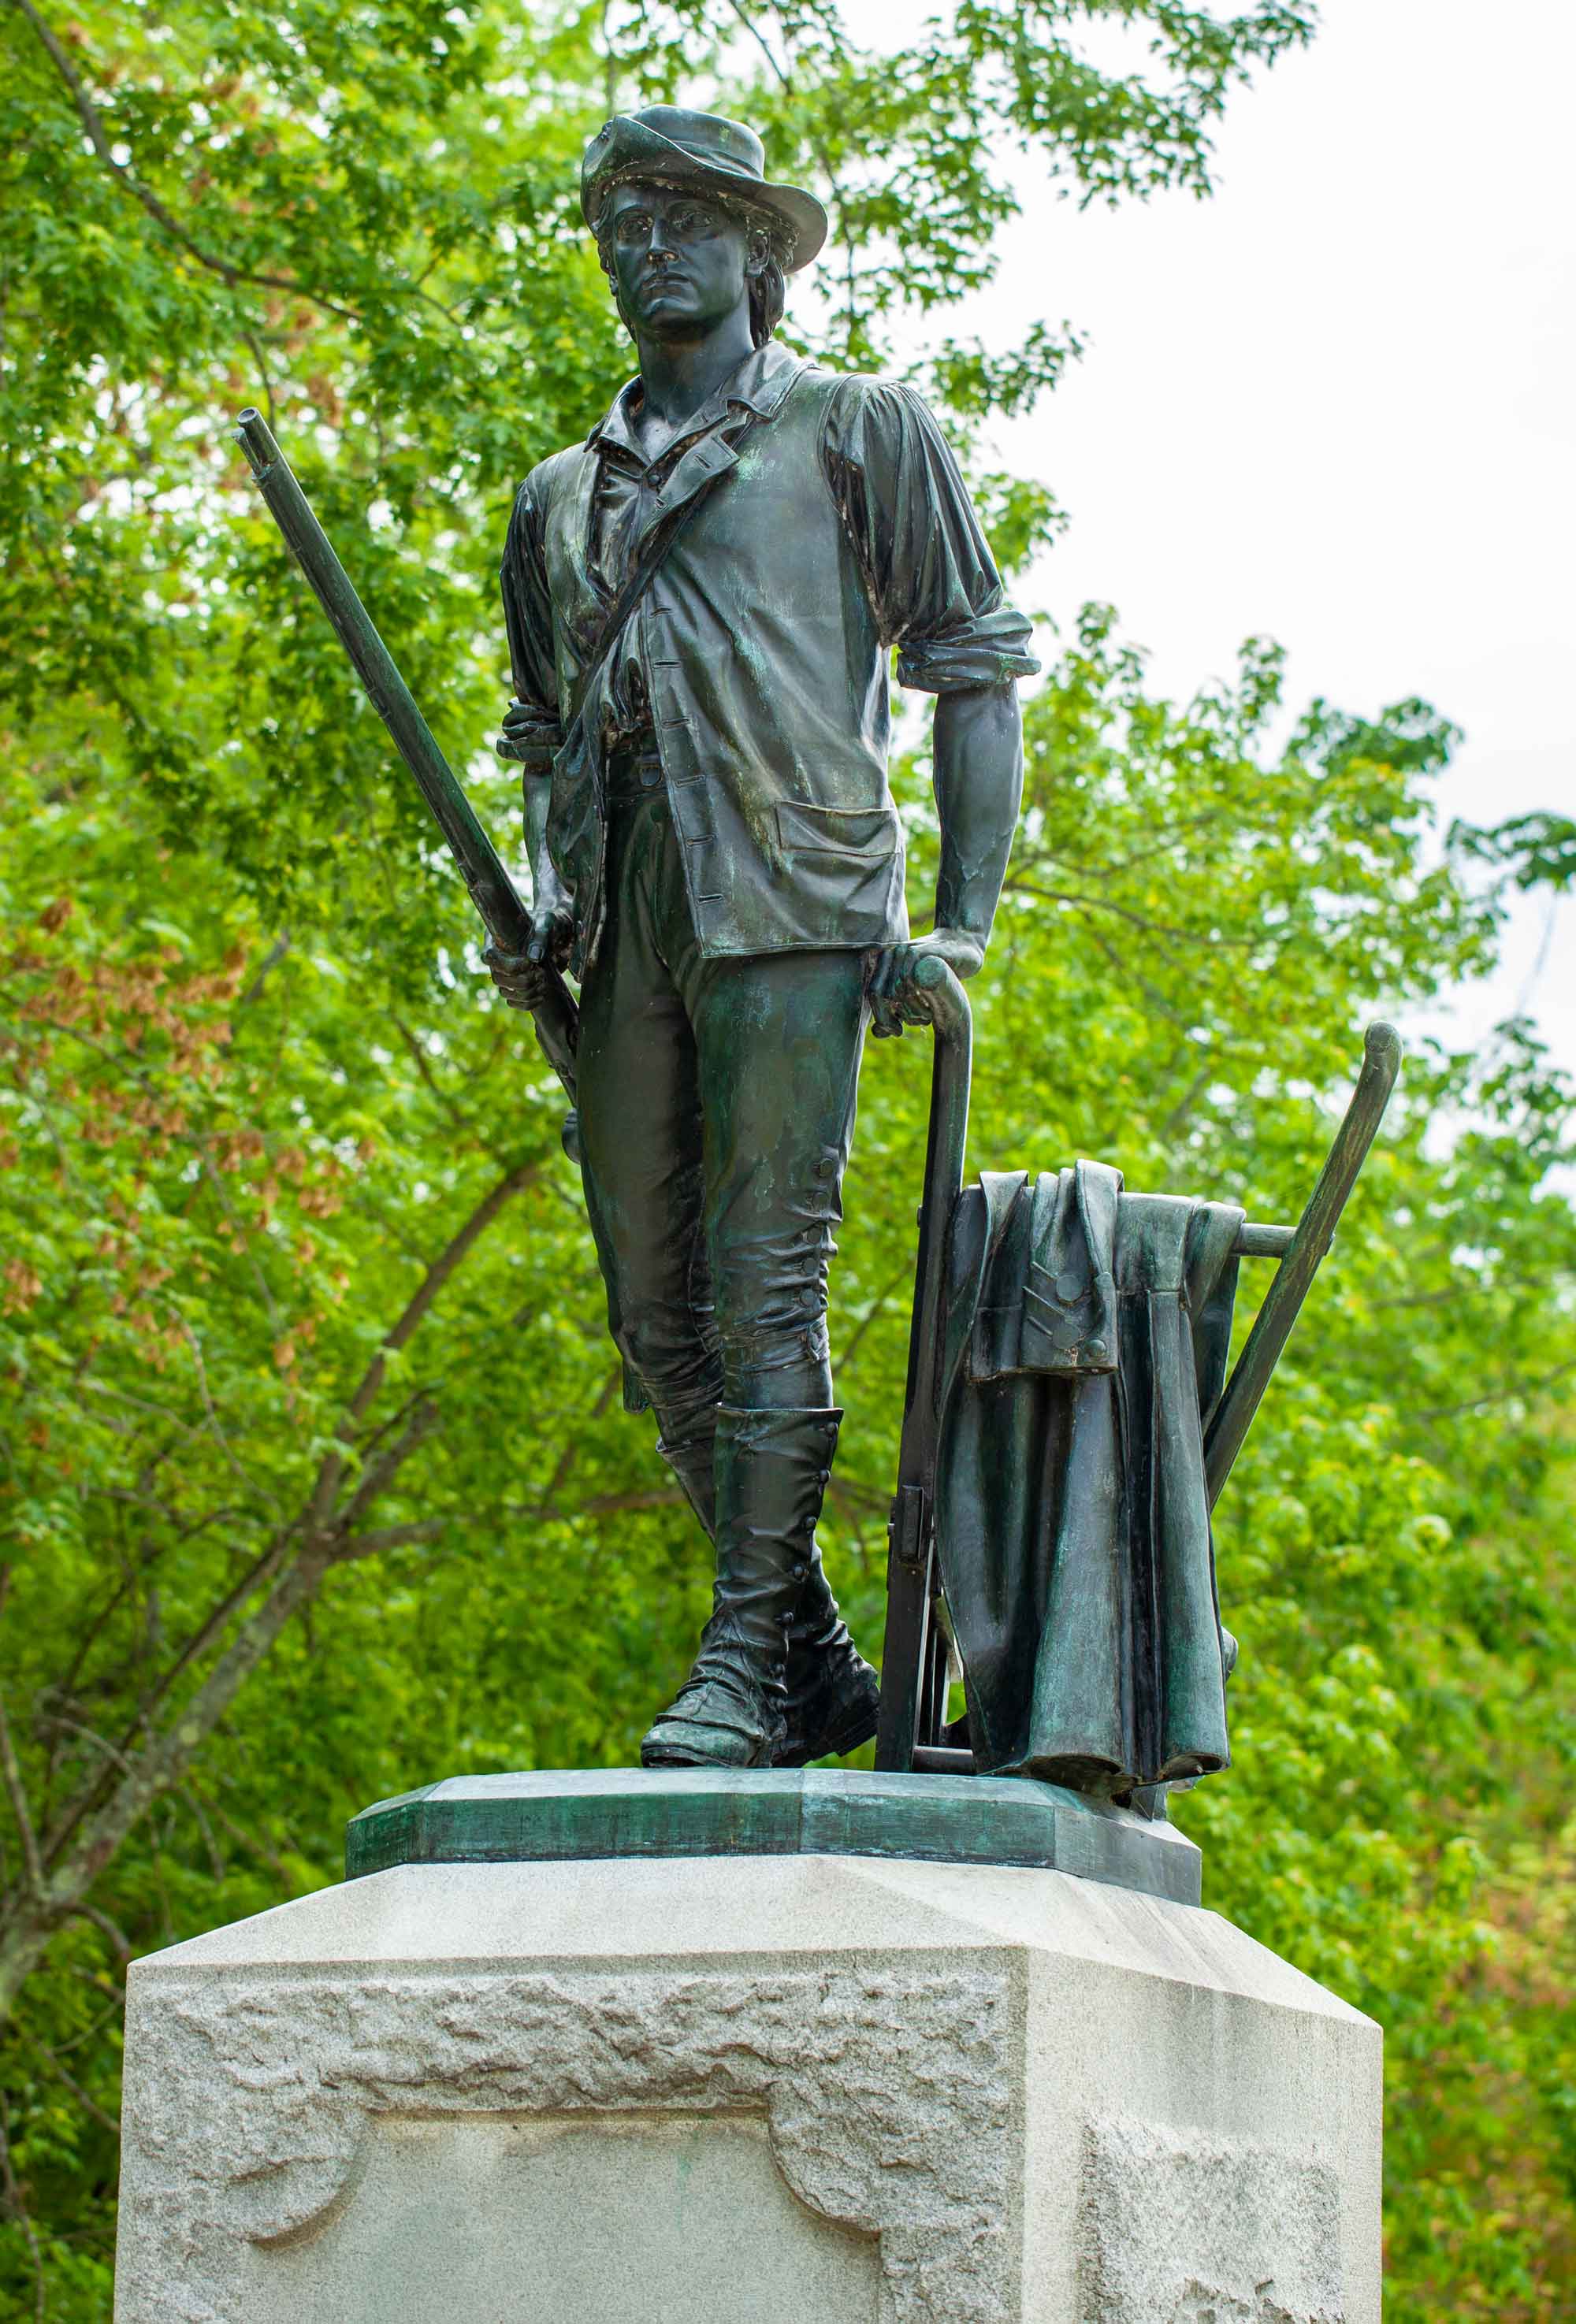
(825, 2076)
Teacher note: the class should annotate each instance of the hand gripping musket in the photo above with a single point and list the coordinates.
(492, 890)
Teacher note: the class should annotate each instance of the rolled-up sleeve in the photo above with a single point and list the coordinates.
(536, 737)
(927, 565)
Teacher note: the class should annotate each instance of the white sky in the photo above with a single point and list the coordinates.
(1337, 403)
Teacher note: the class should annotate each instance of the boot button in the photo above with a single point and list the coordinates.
(826, 1476)
(801, 1572)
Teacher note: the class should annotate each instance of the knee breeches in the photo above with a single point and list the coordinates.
(716, 1103)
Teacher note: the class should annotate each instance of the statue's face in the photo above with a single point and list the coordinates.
(680, 262)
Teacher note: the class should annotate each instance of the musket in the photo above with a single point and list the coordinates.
(492, 892)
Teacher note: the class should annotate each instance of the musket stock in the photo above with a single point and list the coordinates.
(492, 890)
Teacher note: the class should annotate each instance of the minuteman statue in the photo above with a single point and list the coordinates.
(701, 599)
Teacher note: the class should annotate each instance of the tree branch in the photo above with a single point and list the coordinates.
(211, 1629)
(162, 1763)
(17, 1796)
(13, 2202)
(214, 1425)
(759, 38)
(92, 122)
(1172, 1126)
(332, 1471)
(607, 1505)
(158, 1769)
(859, 1496)
(107, 1927)
(371, 1545)
(423, 1065)
(15, 1791)
(438, 1274)
(243, 1239)
(380, 1473)
(1211, 937)
(567, 1458)
(201, 1639)
(281, 945)
(877, 1306)
(1518, 1389)
(101, 1743)
(108, 2121)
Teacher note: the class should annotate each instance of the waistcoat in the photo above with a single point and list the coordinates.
(768, 684)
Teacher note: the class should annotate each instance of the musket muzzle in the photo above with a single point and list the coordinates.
(256, 439)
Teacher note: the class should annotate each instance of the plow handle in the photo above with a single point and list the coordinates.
(912, 1668)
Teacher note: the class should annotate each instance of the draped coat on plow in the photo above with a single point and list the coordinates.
(1084, 1348)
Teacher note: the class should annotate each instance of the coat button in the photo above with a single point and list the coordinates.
(1096, 1351)
(1068, 1287)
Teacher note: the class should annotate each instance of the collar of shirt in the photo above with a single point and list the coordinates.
(757, 385)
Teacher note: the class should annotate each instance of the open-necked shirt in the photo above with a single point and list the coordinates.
(825, 523)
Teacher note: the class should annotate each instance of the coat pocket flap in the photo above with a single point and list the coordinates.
(803, 827)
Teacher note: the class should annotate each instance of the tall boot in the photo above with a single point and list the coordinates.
(833, 1696)
(688, 1446)
(771, 1472)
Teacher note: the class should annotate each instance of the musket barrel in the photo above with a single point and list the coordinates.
(492, 890)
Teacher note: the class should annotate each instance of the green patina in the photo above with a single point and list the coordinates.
(644, 1812)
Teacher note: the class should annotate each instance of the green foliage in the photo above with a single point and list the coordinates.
(316, 1483)
(1540, 849)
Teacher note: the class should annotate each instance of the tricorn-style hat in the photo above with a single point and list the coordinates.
(703, 150)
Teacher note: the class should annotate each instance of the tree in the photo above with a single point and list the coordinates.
(338, 191)
(317, 1483)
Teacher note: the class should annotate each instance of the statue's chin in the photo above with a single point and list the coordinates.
(672, 324)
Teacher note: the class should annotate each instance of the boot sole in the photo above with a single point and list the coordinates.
(677, 1754)
(679, 1758)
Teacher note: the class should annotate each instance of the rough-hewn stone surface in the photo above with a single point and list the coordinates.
(888, 2097)
(1211, 2233)
(987, 2096)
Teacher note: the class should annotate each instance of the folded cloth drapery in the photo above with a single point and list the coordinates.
(1084, 1348)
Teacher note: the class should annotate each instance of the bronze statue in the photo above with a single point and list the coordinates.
(700, 602)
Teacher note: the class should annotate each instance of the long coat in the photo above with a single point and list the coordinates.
(1085, 1346)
